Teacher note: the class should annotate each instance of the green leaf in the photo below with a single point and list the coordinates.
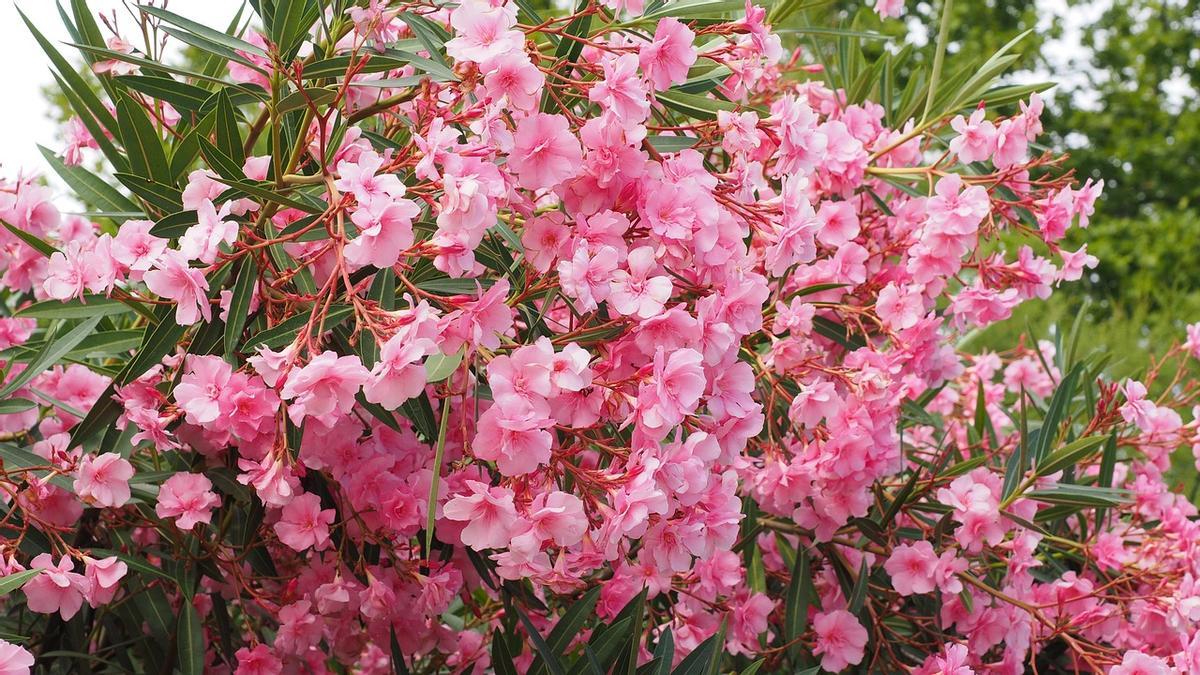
(568, 628)
(284, 333)
(502, 659)
(90, 305)
(672, 144)
(1055, 413)
(141, 141)
(262, 192)
(225, 126)
(34, 242)
(439, 366)
(164, 197)
(1080, 495)
(183, 96)
(1069, 455)
(228, 41)
(239, 303)
(57, 348)
(695, 9)
(16, 405)
(90, 188)
(13, 582)
(706, 657)
(694, 105)
(190, 640)
(290, 24)
(547, 656)
(799, 595)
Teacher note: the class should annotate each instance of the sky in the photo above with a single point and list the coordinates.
(25, 116)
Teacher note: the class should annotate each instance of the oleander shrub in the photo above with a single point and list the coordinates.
(433, 337)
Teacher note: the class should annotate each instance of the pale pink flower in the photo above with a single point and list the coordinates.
(56, 589)
(188, 498)
(667, 59)
(203, 240)
(515, 437)
(483, 31)
(104, 480)
(399, 374)
(622, 91)
(513, 78)
(840, 639)
(104, 577)
(635, 292)
(15, 659)
(912, 568)
(488, 512)
(258, 661)
(324, 387)
(303, 524)
(174, 280)
(384, 232)
(976, 140)
(134, 246)
(1139, 663)
(202, 388)
(545, 152)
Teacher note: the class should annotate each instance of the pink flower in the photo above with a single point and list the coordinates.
(324, 387)
(399, 375)
(545, 238)
(621, 91)
(203, 240)
(887, 9)
(303, 525)
(489, 513)
(912, 568)
(673, 390)
(483, 31)
(899, 307)
(587, 276)
(14, 659)
(515, 437)
(258, 661)
(174, 280)
(188, 498)
(841, 640)
(976, 140)
(274, 482)
(545, 152)
(636, 292)
(362, 179)
(104, 577)
(134, 246)
(513, 78)
(1138, 663)
(558, 516)
(384, 232)
(56, 589)
(667, 59)
(104, 480)
(202, 388)
(480, 322)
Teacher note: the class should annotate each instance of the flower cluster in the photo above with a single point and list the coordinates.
(483, 323)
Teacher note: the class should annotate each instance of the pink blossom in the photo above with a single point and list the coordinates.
(840, 639)
(104, 577)
(887, 9)
(174, 280)
(515, 437)
(202, 241)
(636, 292)
(324, 387)
(188, 498)
(976, 140)
(667, 59)
(202, 388)
(513, 78)
(545, 152)
(1138, 663)
(303, 524)
(489, 514)
(587, 276)
(15, 659)
(134, 246)
(912, 568)
(104, 480)
(257, 661)
(384, 232)
(56, 589)
(483, 31)
(621, 91)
